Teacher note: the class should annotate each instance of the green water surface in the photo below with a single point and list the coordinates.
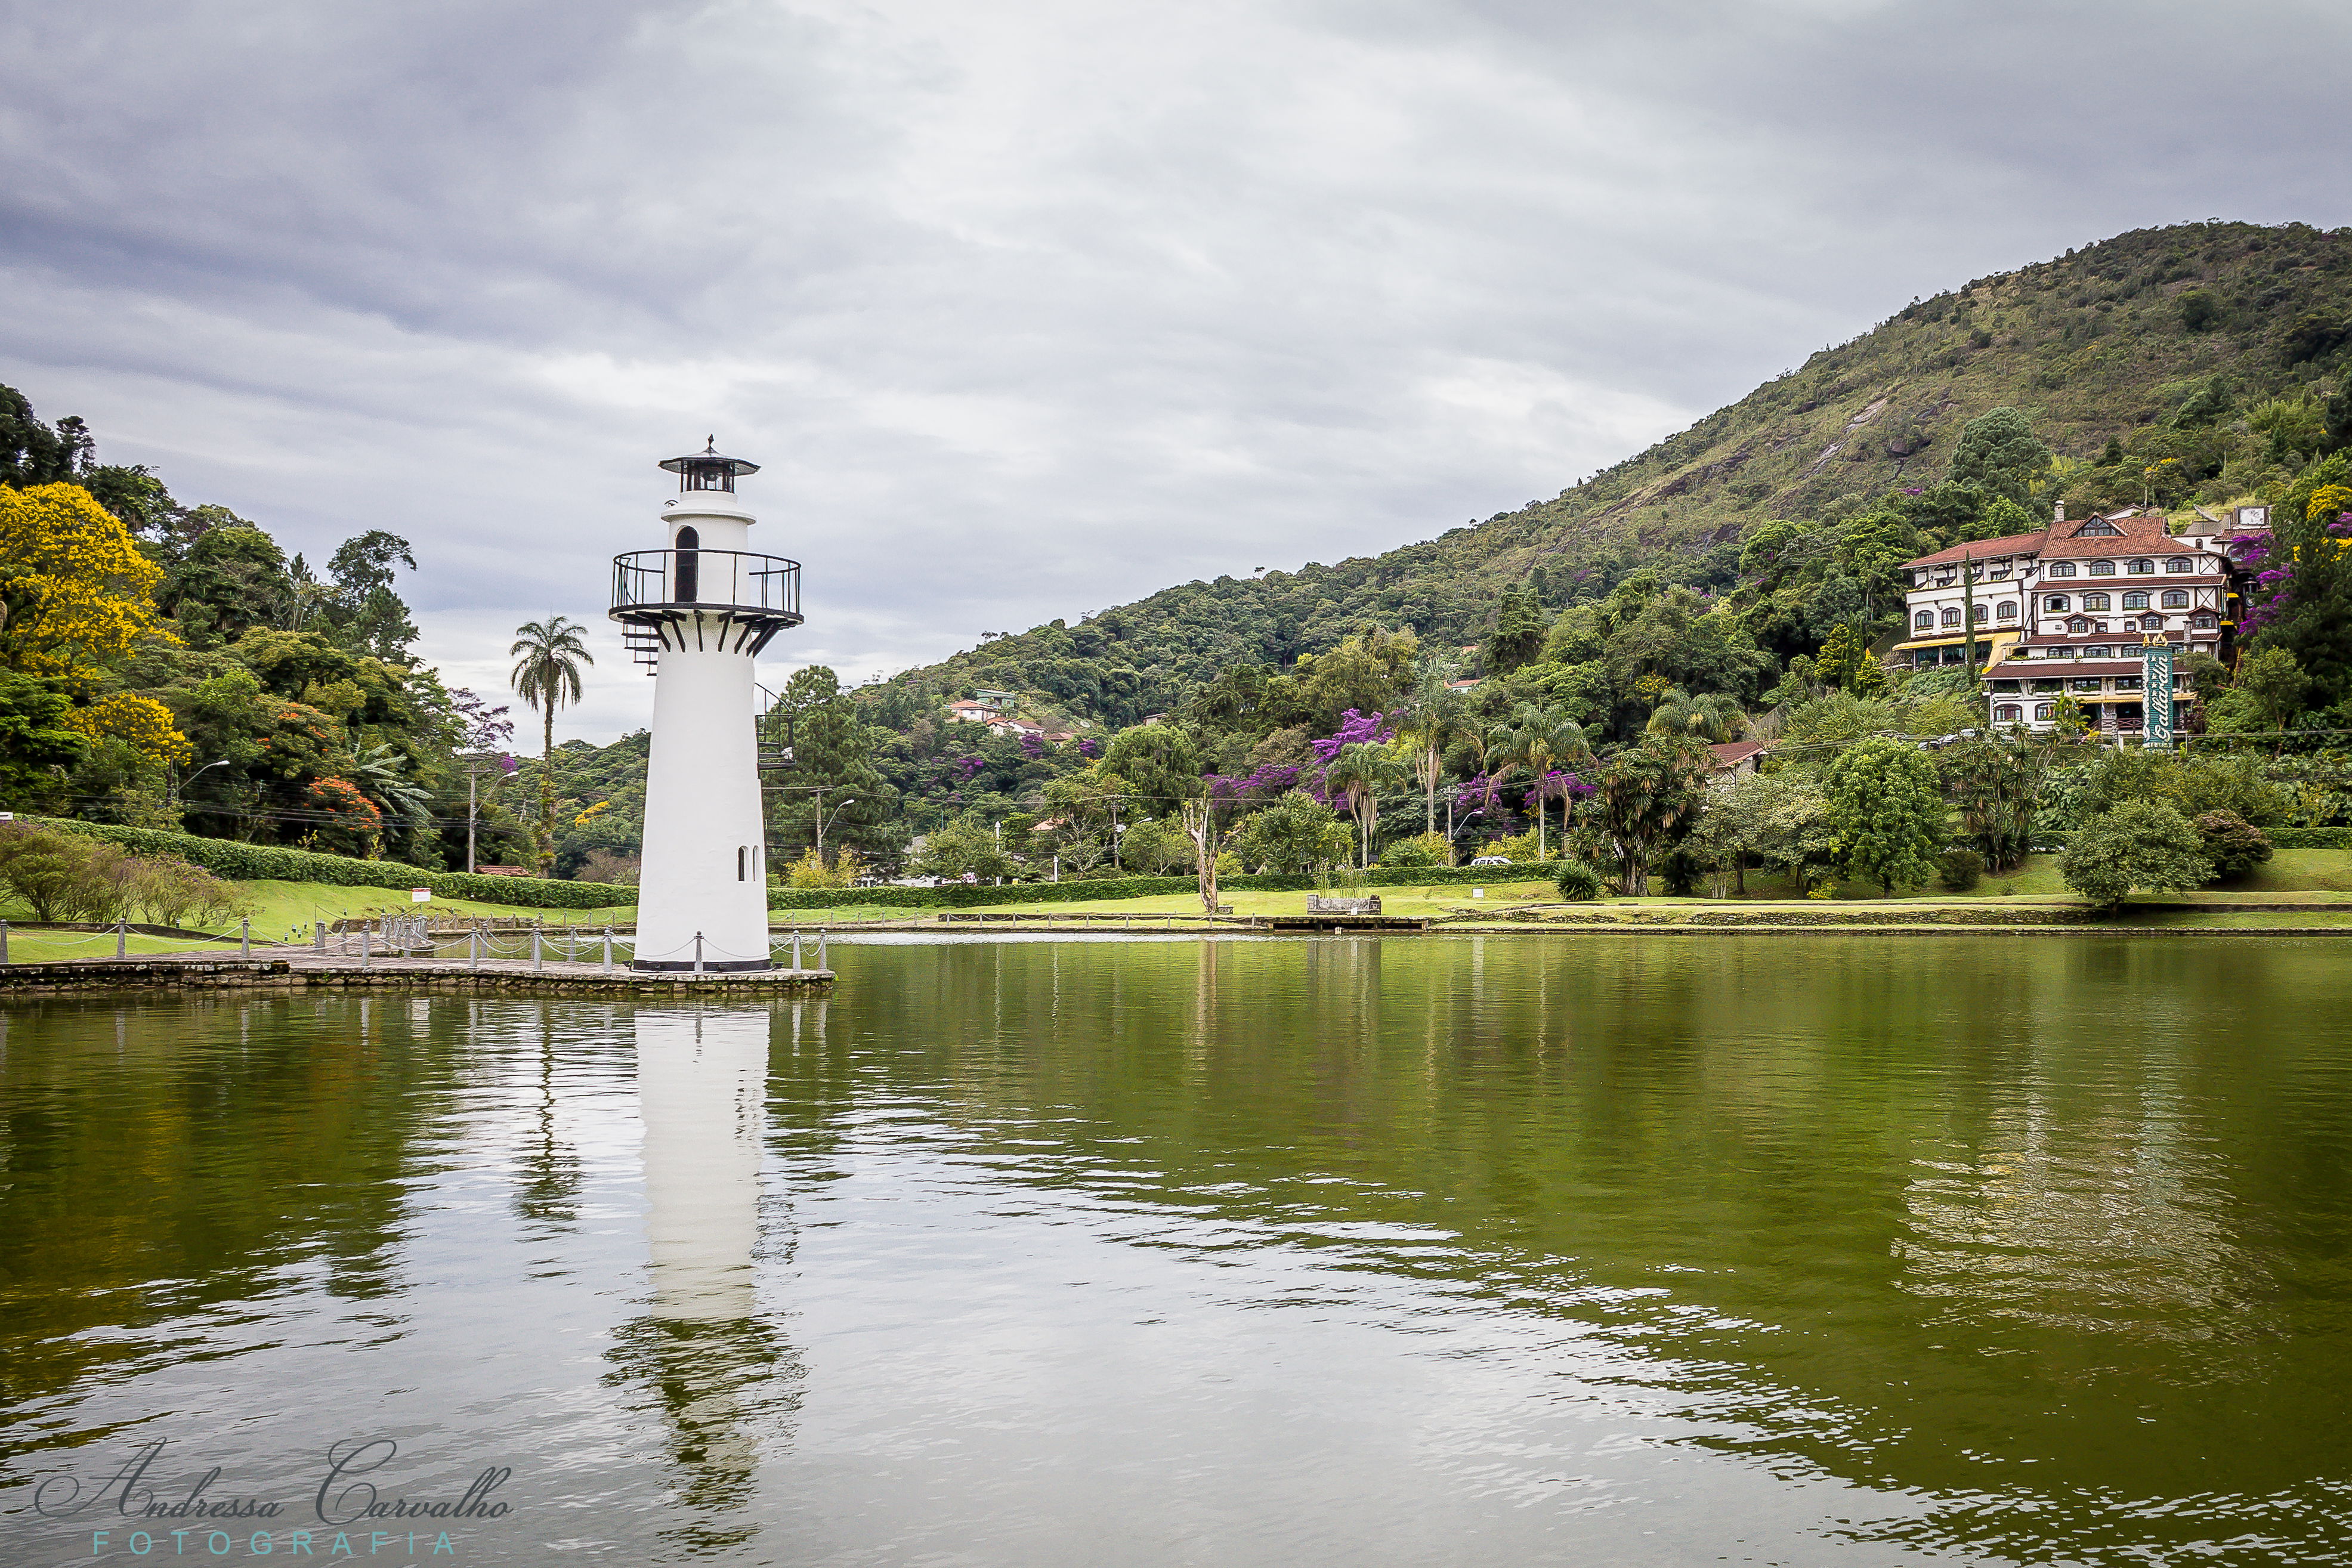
(1446, 1249)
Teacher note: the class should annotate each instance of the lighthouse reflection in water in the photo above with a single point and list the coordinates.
(726, 1382)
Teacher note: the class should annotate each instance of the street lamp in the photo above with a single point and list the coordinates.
(181, 789)
(837, 808)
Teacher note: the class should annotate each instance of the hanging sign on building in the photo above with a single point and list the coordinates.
(2156, 690)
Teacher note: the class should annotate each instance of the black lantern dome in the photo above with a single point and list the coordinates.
(709, 469)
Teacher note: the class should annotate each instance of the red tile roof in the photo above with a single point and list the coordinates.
(1982, 549)
(2138, 536)
(1734, 753)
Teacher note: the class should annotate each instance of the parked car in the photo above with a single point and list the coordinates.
(1490, 860)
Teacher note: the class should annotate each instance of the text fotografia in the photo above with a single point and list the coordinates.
(345, 1496)
(269, 1543)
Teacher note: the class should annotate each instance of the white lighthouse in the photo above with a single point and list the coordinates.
(704, 607)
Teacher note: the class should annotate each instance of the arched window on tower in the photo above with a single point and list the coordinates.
(688, 576)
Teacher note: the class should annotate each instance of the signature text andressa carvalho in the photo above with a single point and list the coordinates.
(348, 1494)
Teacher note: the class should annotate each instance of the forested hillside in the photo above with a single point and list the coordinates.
(2243, 329)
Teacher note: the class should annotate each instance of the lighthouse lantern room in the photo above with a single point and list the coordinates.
(702, 610)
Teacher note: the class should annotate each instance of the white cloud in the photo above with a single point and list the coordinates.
(1029, 310)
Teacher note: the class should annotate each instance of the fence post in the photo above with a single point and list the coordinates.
(608, 949)
(319, 937)
(698, 953)
(122, 936)
(796, 948)
(245, 936)
(473, 947)
(535, 960)
(367, 948)
(820, 947)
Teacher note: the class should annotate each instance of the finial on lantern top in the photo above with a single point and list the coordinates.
(709, 469)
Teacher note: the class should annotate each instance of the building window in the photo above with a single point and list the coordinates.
(2128, 683)
(2143, 568)
(2151, 624)
(1922, 622)
(2057, 604)
(2008, 610)
(1951, 616)
(1978, 611)
(2084, 683)
(2176, 599)
(2095, 601)
(2078, 624)
(2061, 569)
(2180, 563)
(2043, 710)
(742, 860)
(2205, 622)
(2008, 712)
(2103, 569)
(2135, 600)
(2098, 651)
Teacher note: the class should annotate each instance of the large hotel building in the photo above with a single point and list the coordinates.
(2064, 612)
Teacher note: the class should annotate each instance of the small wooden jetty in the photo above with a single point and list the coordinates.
(303, 969)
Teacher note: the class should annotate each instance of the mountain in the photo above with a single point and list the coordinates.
(2185, 364)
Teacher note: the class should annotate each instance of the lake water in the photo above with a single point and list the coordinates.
(1425, 1251)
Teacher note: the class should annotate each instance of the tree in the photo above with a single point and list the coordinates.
(1887, 810)
(548, 655)
(833, 769)
(2271, 680)
(36, 746)
(1357, 772)
(1537, 738)
(2139, 844)
(75, 591)
(1643, 798)
(966, 846)
(1841, 658)
(2234, 845)
(1519, 634)
(1295, 834)
(1159, 764)
(1996, 784)
(1711, 715)
(1998, 451)
(1437, 714)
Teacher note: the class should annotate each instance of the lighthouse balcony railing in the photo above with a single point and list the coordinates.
(653, 582)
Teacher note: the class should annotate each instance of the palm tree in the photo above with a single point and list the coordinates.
(1715, 716)
(377, 772)
(1437, 716)
(549, 654)
(1357, 772)
(1538, 737)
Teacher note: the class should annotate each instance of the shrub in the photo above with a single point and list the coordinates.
(1959, 868)
(2234, 845)
(1578, 883)
(2138, 844)
(1422, 848)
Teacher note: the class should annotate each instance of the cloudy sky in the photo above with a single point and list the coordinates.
(1030, 309)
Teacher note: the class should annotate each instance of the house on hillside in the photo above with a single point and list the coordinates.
(2065, 610)
(1738, 758)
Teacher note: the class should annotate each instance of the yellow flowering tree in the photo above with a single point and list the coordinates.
(75, 590)
(143, 723)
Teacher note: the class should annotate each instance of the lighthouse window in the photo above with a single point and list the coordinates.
(742, 862)
(689, 567)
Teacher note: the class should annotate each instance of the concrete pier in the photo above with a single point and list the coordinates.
(305, 970)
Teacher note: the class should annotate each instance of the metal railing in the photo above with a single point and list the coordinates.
(747, 586)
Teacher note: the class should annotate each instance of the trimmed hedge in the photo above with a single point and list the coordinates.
(267, 862)
(958, 895)
(2309, 838)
